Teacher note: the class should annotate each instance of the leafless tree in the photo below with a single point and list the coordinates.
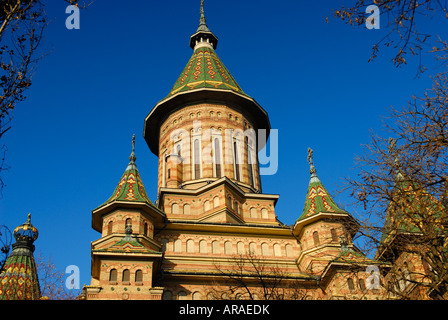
(248, 277)
(52, 281)
(402, 186)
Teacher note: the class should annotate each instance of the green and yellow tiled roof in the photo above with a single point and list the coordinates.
(317, 197)
(413, 210)
(127, 245)
(205, 70)
(130, 188)
(18, 276)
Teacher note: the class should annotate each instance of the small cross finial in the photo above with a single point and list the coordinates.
(132, 158)
(310, 161)
(393, 150)
(133, 142)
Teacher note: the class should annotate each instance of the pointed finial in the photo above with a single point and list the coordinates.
(310, 161)
(393, 152)
(202, 22)
(132, 158)
(201, 10)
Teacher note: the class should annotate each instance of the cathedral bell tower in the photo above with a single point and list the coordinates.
(205, 133)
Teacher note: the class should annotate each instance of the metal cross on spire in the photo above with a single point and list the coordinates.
(310, 161)
(132, 158)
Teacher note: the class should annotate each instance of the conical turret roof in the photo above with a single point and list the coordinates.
(18, 277)
(317, 197)
(204, 69)
(130, 188)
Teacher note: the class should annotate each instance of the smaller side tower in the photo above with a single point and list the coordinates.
(321, 227)
(325, 234)
(126, 257)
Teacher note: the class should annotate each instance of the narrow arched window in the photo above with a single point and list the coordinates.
(126, 275)
(203, 246)
(334, 237)
(215, 247)
(113, 276)
(109, 227)
(197, 159)
(316, 238)
(216, 202)
(186, 209)
(190, 246)
(350, 284)
(217, 158)
(249, 161)
(236, 161)
(145, 229)
(138, 276)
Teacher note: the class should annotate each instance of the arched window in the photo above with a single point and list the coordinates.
(138, 276)
(362, 284)
(228, 247)
(186, 209)
(229, 202)
(253, 212)
(249, 161)
(277, 250)
(128, 222)
(197, 159)
(316, 238)
(109, 227)
(216, 202)
(264, 213)
(350, 284)
(203, 246)
(252, 248)
(177, 245)
(236, 161)
(265, 249)
(240, 247)
(235, 206)
(288, 248)
(196, 296)
(174, 208)
(145, 229)
(190, 246)
(217, 158)
(113, 276)
(206, 205)
(215, 247)
(126, 276)
(334, 237)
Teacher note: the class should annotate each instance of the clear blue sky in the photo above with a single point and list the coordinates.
(71, 138)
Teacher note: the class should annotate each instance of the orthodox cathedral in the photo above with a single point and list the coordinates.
(212, 233)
